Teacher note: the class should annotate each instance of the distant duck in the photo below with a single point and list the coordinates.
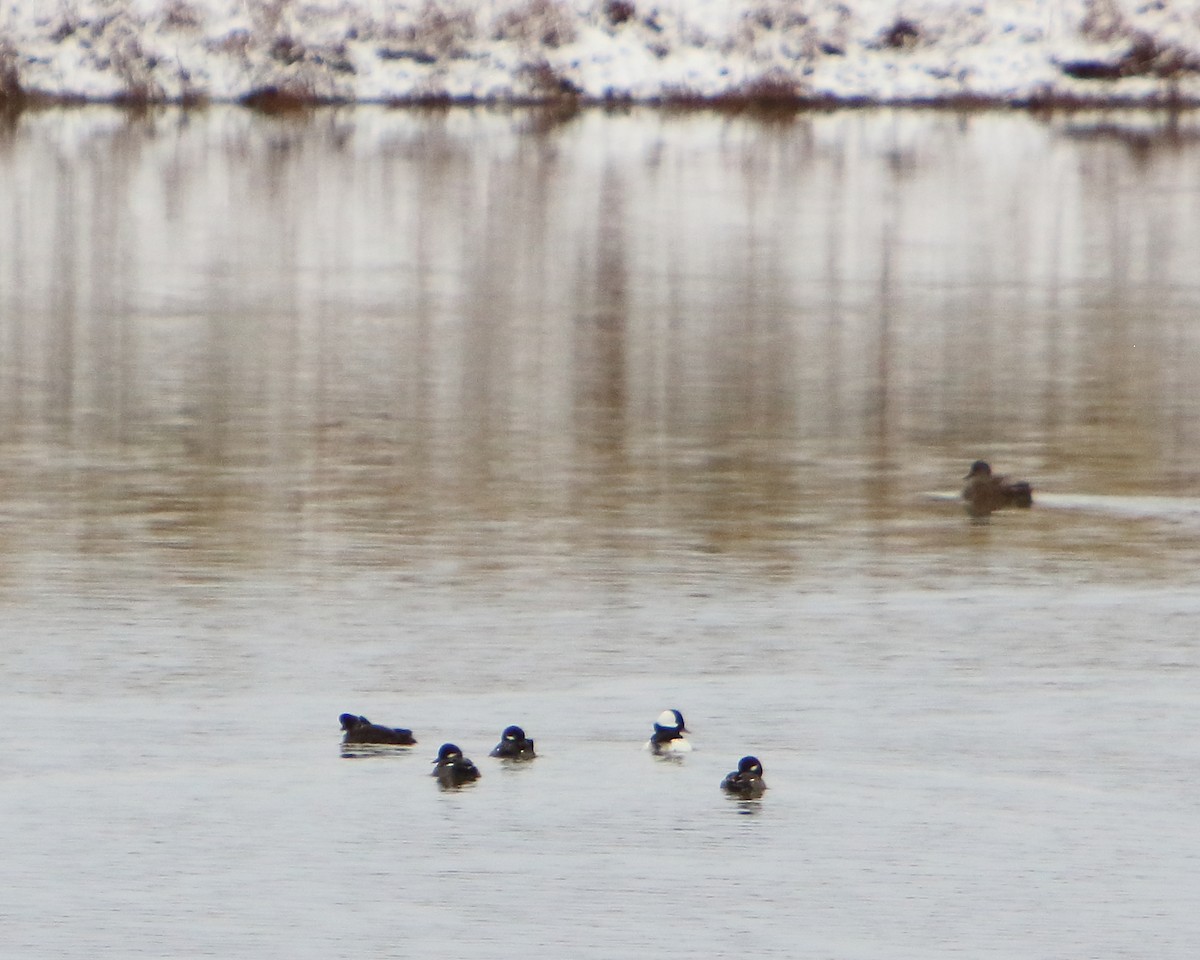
(361, 730)
(746, 782)
(668, 738)
(452, 769)
(514, 745)
(985, 491)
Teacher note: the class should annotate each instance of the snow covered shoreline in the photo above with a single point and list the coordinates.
(887, 52)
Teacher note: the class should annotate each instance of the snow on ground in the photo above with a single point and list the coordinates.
(891, 51)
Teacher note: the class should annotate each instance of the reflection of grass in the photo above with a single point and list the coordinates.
(694, 421)
(11, 93)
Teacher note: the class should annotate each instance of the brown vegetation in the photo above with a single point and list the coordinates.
(272, 99)
(295, 72)
(775, 92)
(180, 15)
(1145, 57)
(547, 85)
(442, 29)
(135, 68)
(903, 34)
(617, 12)
(542, 23)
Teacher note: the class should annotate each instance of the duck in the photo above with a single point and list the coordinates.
(985, 491)
(452, 769)
(668, 739)
(746, 782)
(361, 730)
(514, 745)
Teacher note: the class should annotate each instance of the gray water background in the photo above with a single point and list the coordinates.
(468, 418)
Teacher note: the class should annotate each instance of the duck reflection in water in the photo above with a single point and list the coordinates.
(985, 491)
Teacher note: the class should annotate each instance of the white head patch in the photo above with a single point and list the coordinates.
(666, 719)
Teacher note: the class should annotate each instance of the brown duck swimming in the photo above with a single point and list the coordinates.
(985, 491)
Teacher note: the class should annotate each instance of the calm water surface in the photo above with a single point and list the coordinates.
(466, 419)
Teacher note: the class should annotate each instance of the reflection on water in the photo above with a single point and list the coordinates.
(460, 343)
(362, 751)
(461, 421)
(745, 808)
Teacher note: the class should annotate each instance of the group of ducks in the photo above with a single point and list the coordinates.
(983, 493)
(452, 769)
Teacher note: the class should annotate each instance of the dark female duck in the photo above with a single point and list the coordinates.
(514, 745)
(746, 782)
(452, 769)
(361, 730)
(986, 491)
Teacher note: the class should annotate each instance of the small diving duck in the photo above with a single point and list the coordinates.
(985, 491)
(514, 745)
(746, 782)
(452, 769)
(361, 730)
(668, 739)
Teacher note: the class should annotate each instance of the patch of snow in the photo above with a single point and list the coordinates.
(884, 51)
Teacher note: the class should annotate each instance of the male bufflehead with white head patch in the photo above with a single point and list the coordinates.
(668, 734)
(514, 745)
(452, 769)
(746, 782)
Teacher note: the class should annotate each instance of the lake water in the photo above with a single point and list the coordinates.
(462, 419)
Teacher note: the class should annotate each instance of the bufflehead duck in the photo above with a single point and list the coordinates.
(985, 491)
(452, 769)
(746, 781)
(668, 734)
(361, 730)
(514, 745)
